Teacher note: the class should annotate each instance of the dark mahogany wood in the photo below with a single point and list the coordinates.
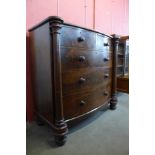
(60, 135)
(74, 58)
(79, 38)
(85, 79)
(113, 101)
(103, 42)
(74, 73)
(90, 100)
(40, 65)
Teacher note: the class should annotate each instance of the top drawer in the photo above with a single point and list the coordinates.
(77, 37)
(103, 43)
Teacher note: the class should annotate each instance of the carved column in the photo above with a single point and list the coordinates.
(60, 128)
(113, 101)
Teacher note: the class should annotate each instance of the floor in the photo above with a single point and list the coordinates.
(105, 133)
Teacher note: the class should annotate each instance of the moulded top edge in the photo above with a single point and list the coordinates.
(50, 18)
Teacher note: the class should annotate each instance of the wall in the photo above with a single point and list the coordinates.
(107, 16)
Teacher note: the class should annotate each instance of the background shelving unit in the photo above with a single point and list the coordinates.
(123, 65)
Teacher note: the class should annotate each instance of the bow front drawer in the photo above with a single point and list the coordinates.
(85, 80)
(77, 37)
(103, 43)
(72, 58)
(79, 104)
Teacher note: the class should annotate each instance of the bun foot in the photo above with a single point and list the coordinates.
(60, 140)
(112, 107)
(113, 102)
(61, 131)
(40, 122)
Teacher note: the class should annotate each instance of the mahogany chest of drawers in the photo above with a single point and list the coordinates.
(74, 72)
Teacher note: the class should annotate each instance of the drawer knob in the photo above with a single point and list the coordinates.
(106, 59)
(80, 39)
(82, 80)
(106, 44)
(82, 58)
(105, 93)
(106, 75)
(82, 103)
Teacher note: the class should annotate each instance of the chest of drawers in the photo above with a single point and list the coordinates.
(74, 72)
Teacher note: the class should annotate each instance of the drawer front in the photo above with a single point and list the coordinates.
(75, 105)
(84, 80)
(72, 58)
(103, 43)
(76, 37)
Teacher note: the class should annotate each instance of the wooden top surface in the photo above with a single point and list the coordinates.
(56, 18)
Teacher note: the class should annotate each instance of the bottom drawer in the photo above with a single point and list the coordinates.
(79, 104)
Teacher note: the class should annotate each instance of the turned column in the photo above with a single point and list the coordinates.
(113, 101)
(60, 128)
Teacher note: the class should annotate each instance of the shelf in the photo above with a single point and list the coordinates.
(119, 65)
(120, 54)
(119, 75)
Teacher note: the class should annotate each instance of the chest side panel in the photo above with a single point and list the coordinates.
(41, 60)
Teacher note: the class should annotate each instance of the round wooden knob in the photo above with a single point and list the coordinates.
(105, 93)
(82, 103)
(106, 44)
(82, 80)
(82, 58)
(80, 39)
(106, 75)
(106, 59)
